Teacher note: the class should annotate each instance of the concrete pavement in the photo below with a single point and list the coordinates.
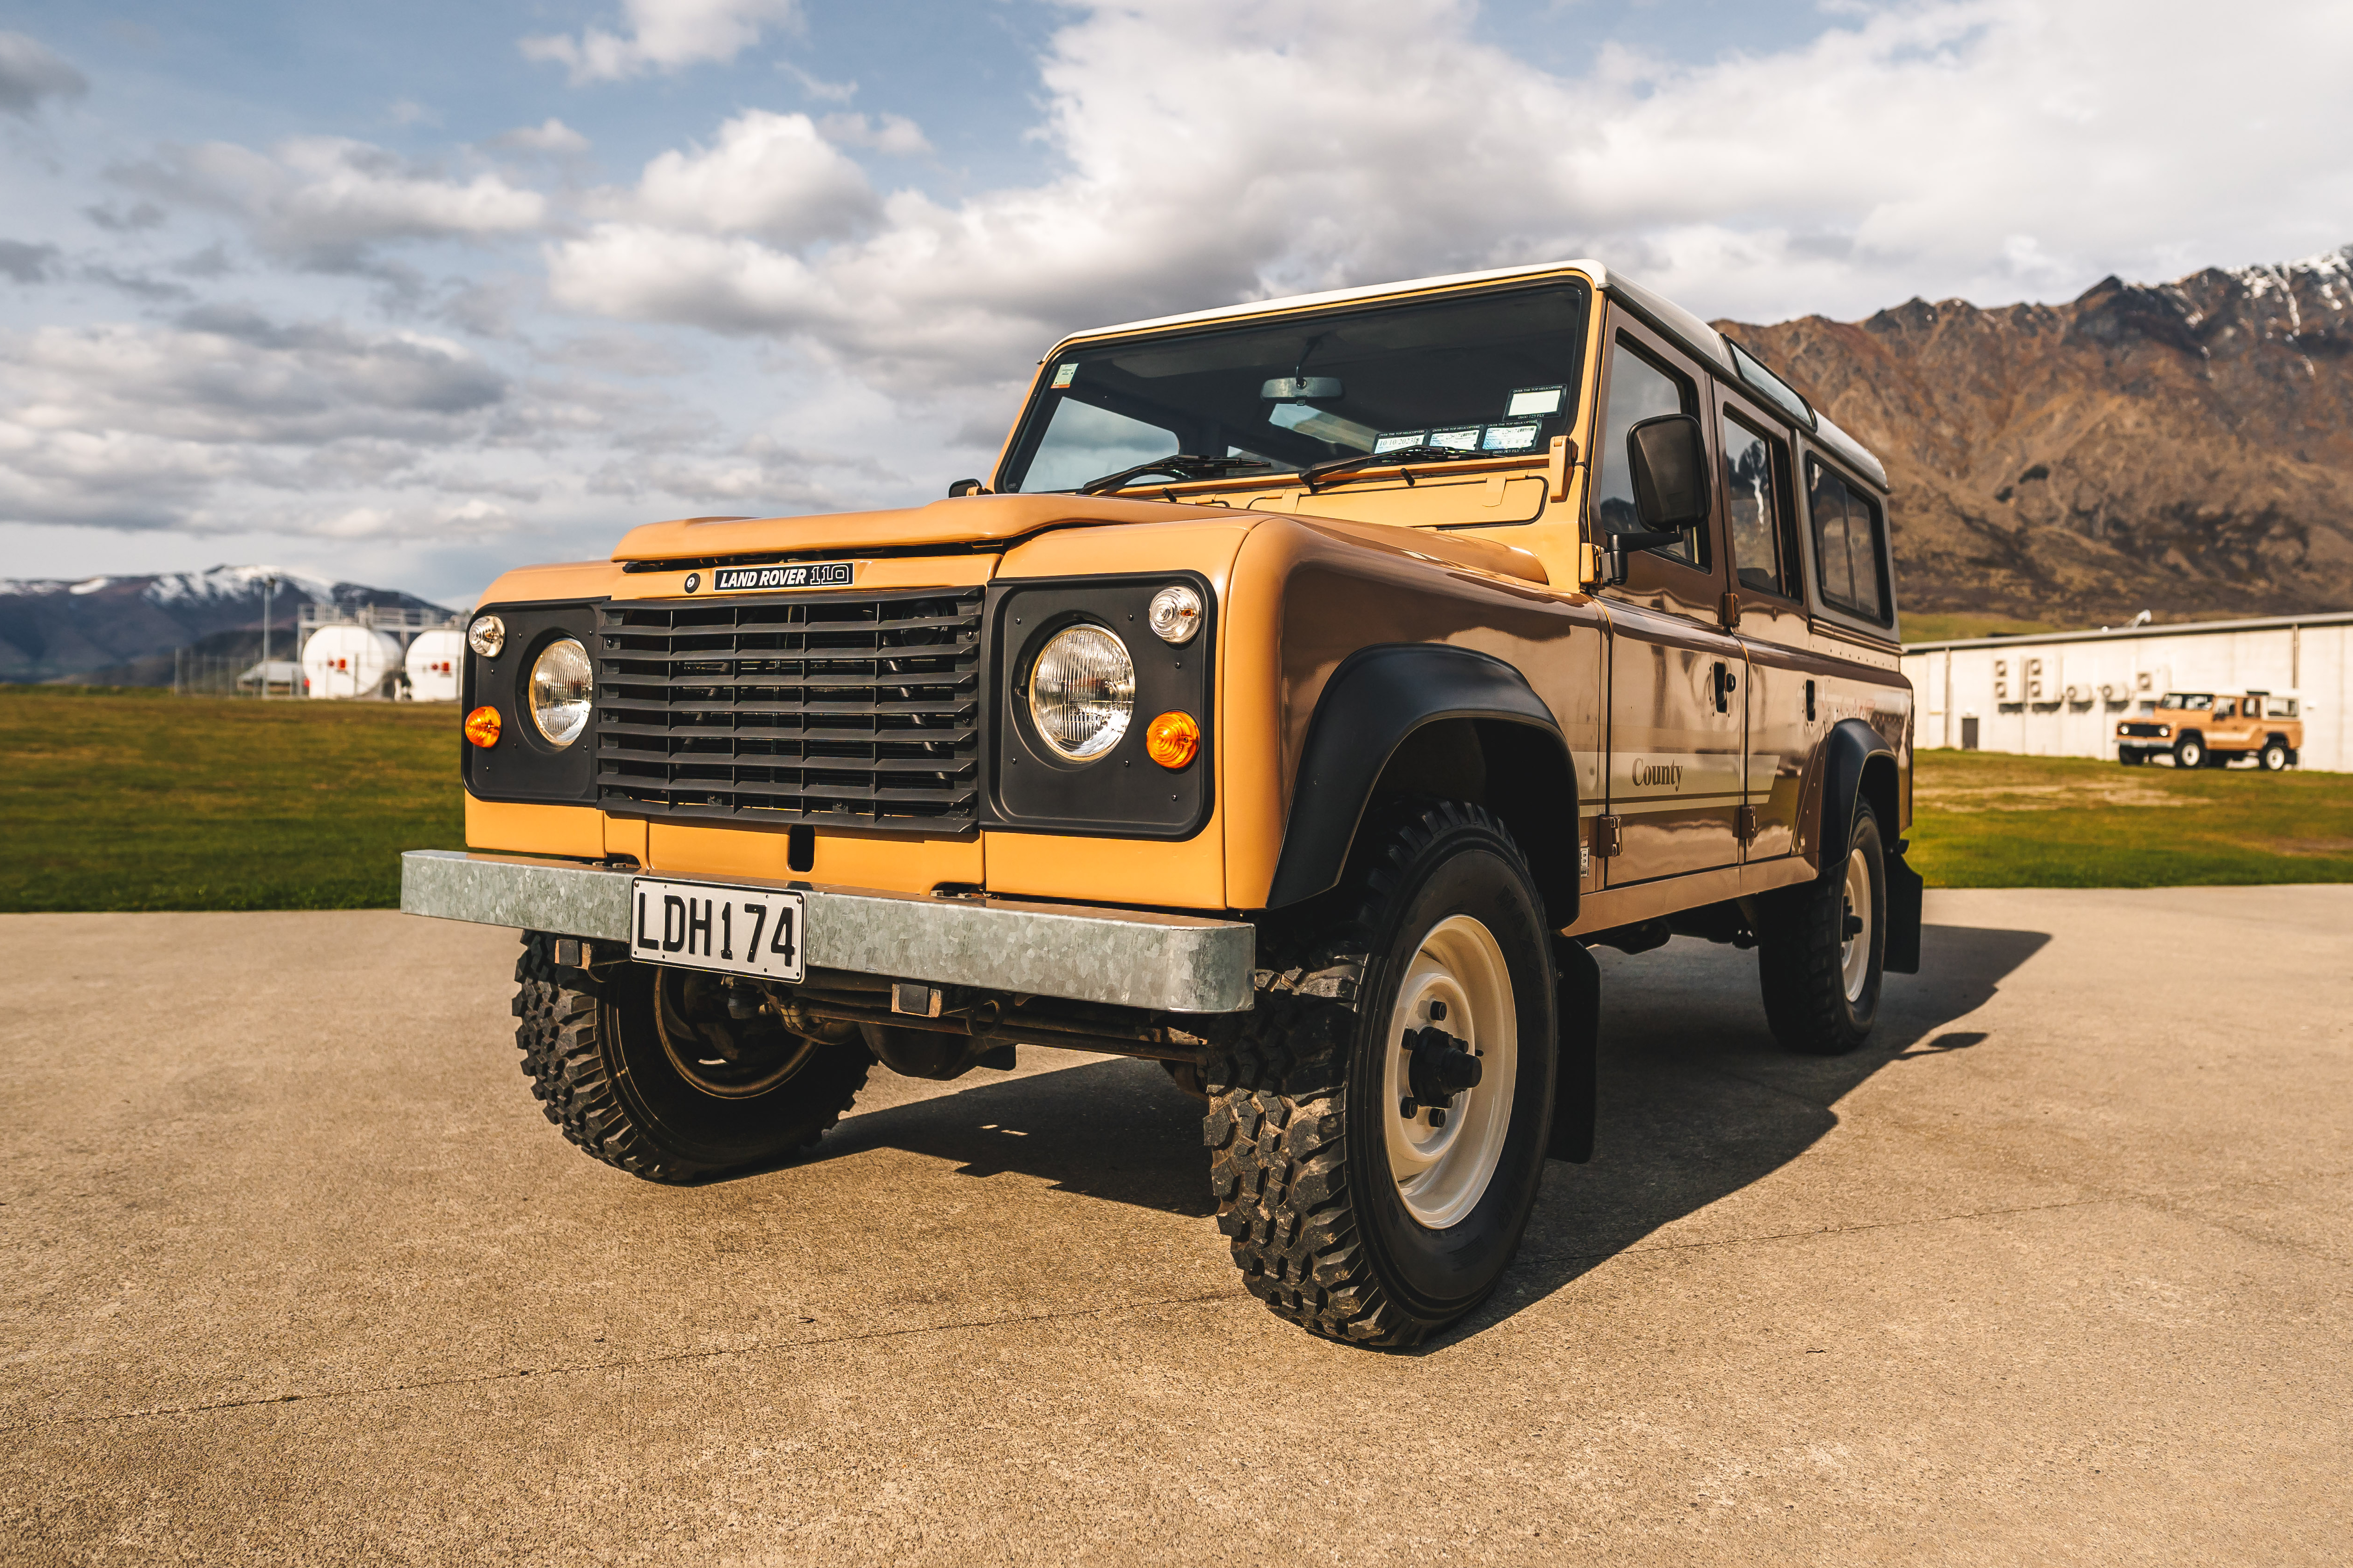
(2059, 1271)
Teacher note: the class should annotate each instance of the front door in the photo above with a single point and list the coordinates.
(1678, 683)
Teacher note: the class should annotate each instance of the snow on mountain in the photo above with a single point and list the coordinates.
(54, 628)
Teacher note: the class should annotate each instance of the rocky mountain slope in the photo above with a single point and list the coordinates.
(52, 629)
(2185, 448)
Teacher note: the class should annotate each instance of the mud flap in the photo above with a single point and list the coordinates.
(1574, 1086)
(1904, 889)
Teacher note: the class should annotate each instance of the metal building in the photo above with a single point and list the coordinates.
(2060, 695)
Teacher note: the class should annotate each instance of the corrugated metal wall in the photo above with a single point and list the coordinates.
(2061, 696)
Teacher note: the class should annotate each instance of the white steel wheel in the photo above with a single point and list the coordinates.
(1854, 924)
(1443, 1157)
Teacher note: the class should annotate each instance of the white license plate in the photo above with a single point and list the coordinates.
(736, 931)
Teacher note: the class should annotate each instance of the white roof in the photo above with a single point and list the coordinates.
(2179, 628)
(1693, 334)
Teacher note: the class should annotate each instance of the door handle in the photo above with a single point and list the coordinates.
(1725, 681)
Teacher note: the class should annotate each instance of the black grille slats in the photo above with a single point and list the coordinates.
(856, 710)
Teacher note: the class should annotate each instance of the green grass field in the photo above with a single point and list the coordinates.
(137, 800)
(1981, 819)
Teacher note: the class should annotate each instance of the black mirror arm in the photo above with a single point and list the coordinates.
(1616, 546)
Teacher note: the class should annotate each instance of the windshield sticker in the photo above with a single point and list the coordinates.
(1509, 437)
(825, 575)
(1064, 374)
(1533, 400)
(1393, 440)
(1466, 439)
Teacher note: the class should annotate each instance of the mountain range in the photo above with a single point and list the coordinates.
(2185, 448)
(121, 630)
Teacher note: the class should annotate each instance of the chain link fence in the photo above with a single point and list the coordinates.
(199, 674)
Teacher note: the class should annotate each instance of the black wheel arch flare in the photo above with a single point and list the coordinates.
(1369, 714)
(1859, 765)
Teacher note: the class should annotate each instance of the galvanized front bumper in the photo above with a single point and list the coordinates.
(1178, 963)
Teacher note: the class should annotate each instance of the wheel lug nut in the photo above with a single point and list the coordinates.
(1437, 1119)
(1406, 1108)
(1438, 1012)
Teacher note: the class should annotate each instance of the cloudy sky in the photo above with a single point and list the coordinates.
(409, 293)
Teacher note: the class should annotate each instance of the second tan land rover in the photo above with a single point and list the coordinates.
(2210, 730)
(1307, 687)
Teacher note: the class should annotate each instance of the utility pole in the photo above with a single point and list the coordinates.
(268, 586)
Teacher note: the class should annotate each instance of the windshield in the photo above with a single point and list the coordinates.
(1490, 376)
(2198, 700)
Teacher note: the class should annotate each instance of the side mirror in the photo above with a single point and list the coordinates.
(965, 487)
(1668, 462)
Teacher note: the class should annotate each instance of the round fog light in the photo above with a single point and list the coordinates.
(562, 683)
(1175, 614)
(482, 727)
(1173, 739)
(487, 636)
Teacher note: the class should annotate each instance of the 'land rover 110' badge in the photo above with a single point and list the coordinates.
(825, 574)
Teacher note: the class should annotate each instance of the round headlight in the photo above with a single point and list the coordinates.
(1175, 614)
(487, 636)
(562, 682)
(1081, 692)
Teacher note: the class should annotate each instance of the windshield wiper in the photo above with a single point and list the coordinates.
(1180, 465)
(1312, 477)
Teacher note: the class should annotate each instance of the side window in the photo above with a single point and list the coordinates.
(1752, 467)
(1850, 545)
(1638, 390)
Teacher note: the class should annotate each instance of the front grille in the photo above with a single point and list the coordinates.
(2151, 730)
(851, 710)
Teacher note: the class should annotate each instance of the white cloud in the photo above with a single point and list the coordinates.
(893, 133)
(770, 174)
(550, 135)
(1225, 148)
(31, 73)
(135, 426)
(325, 199)
(663, 35)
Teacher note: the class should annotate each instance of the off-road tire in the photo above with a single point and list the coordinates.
(600, 1073)
(2274, 756)
(1311, 1213)
(2190, 751)
(1800, 951)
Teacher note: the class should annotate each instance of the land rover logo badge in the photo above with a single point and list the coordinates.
(824, 574)
(693, 581)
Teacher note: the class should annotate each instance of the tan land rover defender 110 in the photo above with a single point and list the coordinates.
(1308, 686)
(2209, 729)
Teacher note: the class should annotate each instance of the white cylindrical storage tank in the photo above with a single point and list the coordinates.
(433, 666)
(349, 661)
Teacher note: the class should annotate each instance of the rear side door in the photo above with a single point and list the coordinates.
(1768, 613)
(1677, 715)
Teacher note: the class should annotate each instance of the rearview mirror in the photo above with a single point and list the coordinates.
(1300, 388)
(1668, 460)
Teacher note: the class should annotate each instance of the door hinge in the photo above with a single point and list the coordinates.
(1608, 836)
(1743, 823)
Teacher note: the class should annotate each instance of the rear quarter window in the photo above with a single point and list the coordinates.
(1850, 567)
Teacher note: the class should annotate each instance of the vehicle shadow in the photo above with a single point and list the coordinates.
(1697, 1103)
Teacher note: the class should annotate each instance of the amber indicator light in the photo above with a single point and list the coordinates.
(482, 726)
(1173, 739)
